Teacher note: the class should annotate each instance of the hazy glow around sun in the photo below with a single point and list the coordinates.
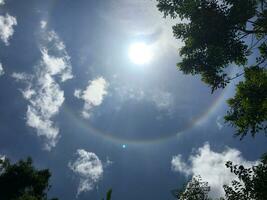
(140, 53)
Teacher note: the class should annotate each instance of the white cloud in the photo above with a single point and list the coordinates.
(211, 167)
(57, 65)
(179, 165)
(43, 92)
(93, 95)
(58, 45)
(2, 72)
(89, 168)
(2, 2)
(45, 98)
(43, 24)
(7, 24)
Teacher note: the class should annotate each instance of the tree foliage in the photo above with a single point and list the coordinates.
(196, 189)
(248, 108)
(251, 183)
(21, 181)
(108, 195)
(216, 34)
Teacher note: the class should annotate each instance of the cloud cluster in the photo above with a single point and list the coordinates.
(43, 91)
(89, 168)
(93, 95)
(211, 167)
(7, 24)
(1, 70)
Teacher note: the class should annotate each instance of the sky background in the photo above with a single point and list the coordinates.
(73, 100)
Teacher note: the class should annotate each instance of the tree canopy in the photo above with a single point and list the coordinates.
(250, 184)
(248, 108)
(21, 181)
(218, 34)
(196, 189)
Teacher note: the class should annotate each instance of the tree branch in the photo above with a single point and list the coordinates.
(236, 76)
(254, 45)
(251, 31)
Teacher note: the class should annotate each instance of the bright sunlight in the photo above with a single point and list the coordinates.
(140, 53)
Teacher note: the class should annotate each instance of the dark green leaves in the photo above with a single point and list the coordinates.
(196, 189)
(211, 35)
(21, 181)
(108, 195)
(221, 33)
(248, 108)
(251, 183)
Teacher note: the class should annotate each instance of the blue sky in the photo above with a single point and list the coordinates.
(74, 100)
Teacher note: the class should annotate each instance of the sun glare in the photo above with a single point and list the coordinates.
(140, 53)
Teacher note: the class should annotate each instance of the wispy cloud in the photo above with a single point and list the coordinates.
(219, 122)
(43, 91)
(93, 95)
(2, 2)
(148, 23)
(89, 169)
(161, 99)
(2, 72)
(210, 166)
(7, 24)
(21, 76)
(179, 165)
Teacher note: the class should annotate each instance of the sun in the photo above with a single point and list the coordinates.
(140, 53)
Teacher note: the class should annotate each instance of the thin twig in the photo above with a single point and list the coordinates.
(238, 75)
(252, 40)
(254, 45)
